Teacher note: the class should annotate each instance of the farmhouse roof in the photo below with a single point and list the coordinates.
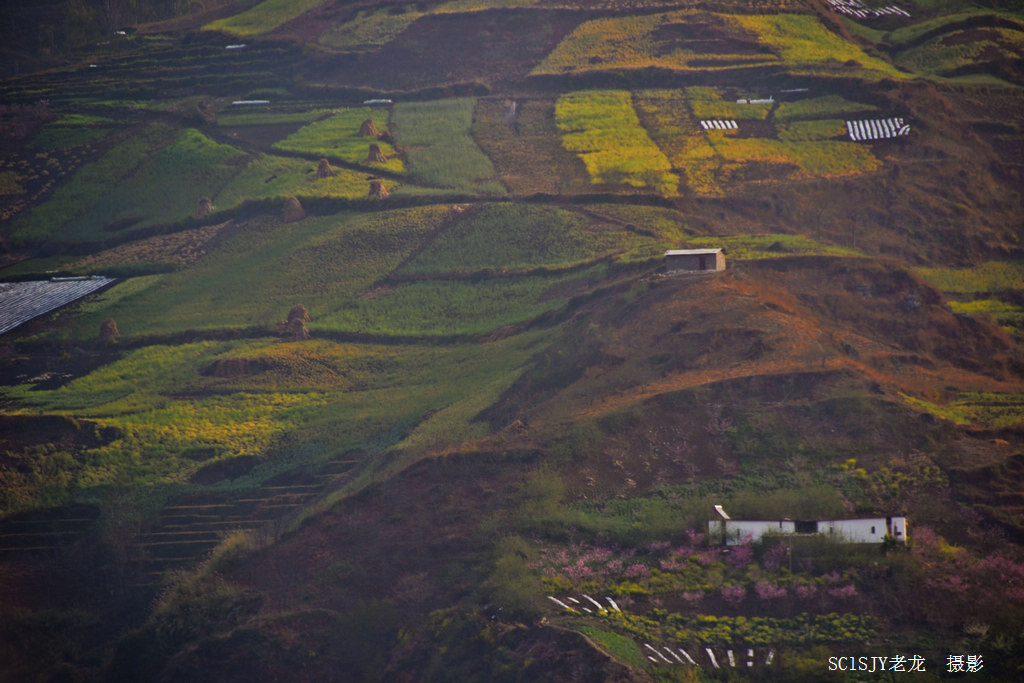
(691, 252)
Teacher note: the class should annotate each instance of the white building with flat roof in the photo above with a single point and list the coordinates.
(694, 260)
(730, 531)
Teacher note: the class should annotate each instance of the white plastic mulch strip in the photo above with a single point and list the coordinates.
(717, 124)
(856, 8)
(876, 129)
(22, 301)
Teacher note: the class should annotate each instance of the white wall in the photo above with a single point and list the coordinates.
(868, 530)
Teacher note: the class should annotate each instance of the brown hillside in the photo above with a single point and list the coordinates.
(777, 317)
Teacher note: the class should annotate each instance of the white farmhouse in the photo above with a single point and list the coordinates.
(730, 531)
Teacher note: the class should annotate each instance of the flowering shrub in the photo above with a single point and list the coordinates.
(740, 556)
(710, 556)
(843, 592)
(733, 594)
(775, 557)
(805, 591)
(635, 570)
(963, 580)
(766, 590)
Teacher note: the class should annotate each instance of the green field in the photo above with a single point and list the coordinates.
(510, 237)
(331, 265)
(440, 147)
(631, 43)
(261, 270)
(708, 103)
(990, 290)
(817, 107)
(450, 307)
(603, 129)
(160, 177)
(63, 136)
(173, 417)
(274, 176)
(803, 144)
(806, 46)
(667, 116)
(945, 54)
(370, 29)
(905, 34)
(993, 276)
(814, 158)
(336, 137)
(986, 410)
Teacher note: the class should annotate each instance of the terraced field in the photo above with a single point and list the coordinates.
(690, 41)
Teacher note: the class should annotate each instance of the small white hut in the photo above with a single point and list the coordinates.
(694, 260)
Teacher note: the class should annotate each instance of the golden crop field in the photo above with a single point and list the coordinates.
(603, 129)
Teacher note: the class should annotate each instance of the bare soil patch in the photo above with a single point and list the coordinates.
(707, 35)
(181, 248)
(261, 136)
(527, 152)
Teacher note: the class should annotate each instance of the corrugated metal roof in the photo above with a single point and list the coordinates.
(22, 301)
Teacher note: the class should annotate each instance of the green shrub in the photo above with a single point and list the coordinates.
(513, 586)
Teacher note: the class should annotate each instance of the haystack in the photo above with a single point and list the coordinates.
(387, 137)
(205, 207)
(296, 330)
(375, 155)
(108, 331)
(324, 170)
(298, 312)
(378, 190)
(292, 211)
(368, 129)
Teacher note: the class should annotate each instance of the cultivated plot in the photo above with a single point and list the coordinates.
(697, 40)
(339, 137)
(603, 129)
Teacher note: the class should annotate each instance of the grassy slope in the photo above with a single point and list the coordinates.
(340, 132)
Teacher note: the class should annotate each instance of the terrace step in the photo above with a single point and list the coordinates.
(186, 530)
(178, 549)
(47, 530)
(222, 526)
(58, 538)
(183, 536)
